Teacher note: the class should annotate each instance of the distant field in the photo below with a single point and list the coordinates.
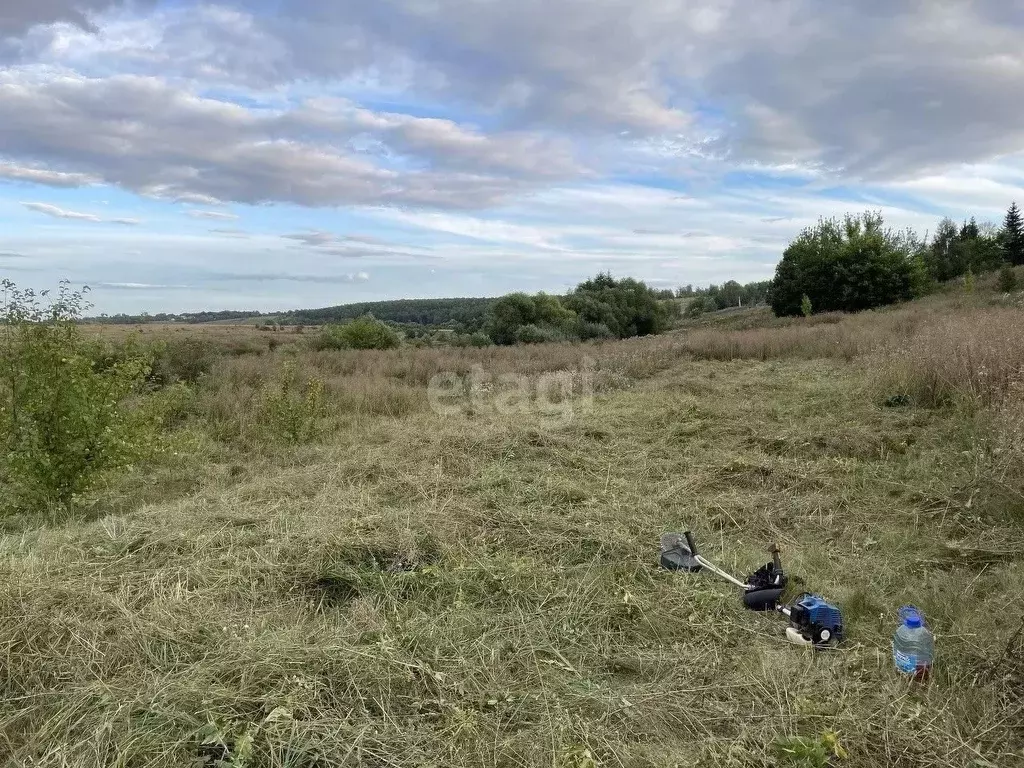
(228, 335)
(475, 584)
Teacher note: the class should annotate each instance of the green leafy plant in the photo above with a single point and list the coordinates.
(806, 309)
(850, 265)
(65, 417)
(1007, 278)
(362, 333)
(291, 410)
(804, 752)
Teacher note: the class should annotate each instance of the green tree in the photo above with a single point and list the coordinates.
(847, 265)
(943, 255)
(508, 315)
(627, 307)
(1012, 236)
(1007, 278)
(362, 333)
(806, 308)
(65, 412)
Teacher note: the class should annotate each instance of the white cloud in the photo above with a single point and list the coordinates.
(156, 139)
(50, 178)
(219, 215)
(60, 213)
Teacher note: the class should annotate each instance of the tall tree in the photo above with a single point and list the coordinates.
(847, 265)
(1012, 236)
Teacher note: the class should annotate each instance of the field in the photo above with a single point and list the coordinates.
(470, 579)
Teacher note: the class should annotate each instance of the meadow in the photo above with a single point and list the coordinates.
(321, 568)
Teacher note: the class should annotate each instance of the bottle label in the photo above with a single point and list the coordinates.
(905, 662)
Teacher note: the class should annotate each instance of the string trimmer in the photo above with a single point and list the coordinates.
(813, 620)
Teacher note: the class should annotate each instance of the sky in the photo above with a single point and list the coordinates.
(179, 155)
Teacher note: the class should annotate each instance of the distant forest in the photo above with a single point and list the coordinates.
(466, 314)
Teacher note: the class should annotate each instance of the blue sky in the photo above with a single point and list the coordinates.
(267, 155)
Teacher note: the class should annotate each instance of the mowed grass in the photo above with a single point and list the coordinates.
(481, 589)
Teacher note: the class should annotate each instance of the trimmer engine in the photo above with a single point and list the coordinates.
(813, 621)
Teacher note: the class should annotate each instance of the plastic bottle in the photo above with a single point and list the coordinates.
(913, 645)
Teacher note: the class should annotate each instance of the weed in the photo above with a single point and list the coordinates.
(292, 411)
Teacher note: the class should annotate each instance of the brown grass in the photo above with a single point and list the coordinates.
(473, 590)
(975, 359)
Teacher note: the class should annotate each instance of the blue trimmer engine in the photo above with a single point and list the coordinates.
(813, 621)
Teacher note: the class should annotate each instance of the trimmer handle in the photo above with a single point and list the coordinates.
(776, 559)
(689, 542)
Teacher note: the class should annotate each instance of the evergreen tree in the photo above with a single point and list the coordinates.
(1013, 236)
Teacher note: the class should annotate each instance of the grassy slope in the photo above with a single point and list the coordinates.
(432, 592)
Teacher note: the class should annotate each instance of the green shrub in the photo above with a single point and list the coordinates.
(806, 308)
(695, 308)
(362, 333)
(64, 418)
(290, 410)
(588, 331)
(1007, 278)
(186, 360)
(535, 334)
(847, 266)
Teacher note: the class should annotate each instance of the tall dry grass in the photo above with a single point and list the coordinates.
(974, 359)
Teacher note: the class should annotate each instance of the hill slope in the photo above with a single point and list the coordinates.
(477, 587)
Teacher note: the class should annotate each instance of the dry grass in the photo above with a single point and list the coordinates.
(479, 590)
(975, 359)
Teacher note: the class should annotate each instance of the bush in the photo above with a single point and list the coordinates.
(597, 331)
(291, 411)
(363, 333)
(696, 308)
(600, 308)
(1007, 279)
(64, 418)
(848, 266)
(534, 334)
(186, 360)
(543, 314)
(627, 307)
(480, 339)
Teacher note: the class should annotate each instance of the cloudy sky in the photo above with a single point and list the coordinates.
(271, 154)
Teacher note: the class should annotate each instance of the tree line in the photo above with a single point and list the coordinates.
(859, 263)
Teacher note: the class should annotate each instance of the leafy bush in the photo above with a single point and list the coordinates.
(599, 308)
(64, 418)
(362, 333)
(588, 331)
(698, 307)
(535, 334)
(1007, 279)
(627, 307)
(186, 360)
(543, 314)
(848, 266)
(291, 411)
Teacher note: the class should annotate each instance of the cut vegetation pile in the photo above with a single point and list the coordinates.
(394, 587)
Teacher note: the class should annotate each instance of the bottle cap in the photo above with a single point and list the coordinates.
(911, 612)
